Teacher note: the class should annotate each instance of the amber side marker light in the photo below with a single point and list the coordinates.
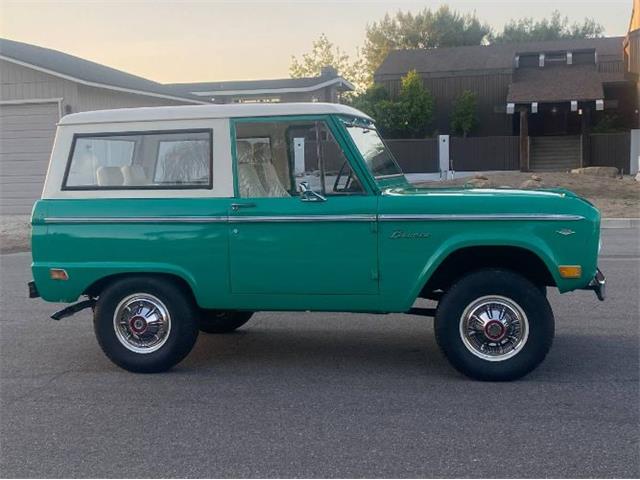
(570, 271)
(58, 274)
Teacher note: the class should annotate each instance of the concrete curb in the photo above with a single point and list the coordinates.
(620, 223)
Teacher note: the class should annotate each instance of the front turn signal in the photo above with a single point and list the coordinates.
(570, 271)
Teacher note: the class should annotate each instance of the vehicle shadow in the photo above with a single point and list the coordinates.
(277, 345)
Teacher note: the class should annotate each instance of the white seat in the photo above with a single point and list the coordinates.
(244, 151)
(249, 182)
(134, 175)
(267, 172)
(110, 177)
(270, 180)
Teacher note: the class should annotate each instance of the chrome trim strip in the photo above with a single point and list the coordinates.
(302, 218)
(219, 219)
(317, 218)
(202, 219)
(477, 217)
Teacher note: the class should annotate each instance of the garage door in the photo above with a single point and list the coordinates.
(26, 138)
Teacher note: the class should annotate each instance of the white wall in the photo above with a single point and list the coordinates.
(634, 157)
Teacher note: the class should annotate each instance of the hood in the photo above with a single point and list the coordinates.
(478, 192)
(461, 200)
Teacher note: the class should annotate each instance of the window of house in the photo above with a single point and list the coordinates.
(528, 60)
(173, 159)
(274, 158)
(556, 57)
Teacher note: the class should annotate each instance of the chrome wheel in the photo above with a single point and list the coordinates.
(494, 328)
(142, 323)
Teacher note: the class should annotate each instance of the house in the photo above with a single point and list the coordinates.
(39, 85)
(550, 93)
(327, 87)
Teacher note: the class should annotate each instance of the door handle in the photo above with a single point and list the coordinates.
(237, 206)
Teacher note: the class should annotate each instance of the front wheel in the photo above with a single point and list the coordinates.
(145, 324)
(494, 325)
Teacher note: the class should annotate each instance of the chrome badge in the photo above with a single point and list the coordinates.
(399, 234)
(565, 232)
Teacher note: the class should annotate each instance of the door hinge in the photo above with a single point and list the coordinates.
(375, 275)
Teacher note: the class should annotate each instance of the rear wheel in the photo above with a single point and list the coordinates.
(145, 324)
(222, 321)
(494, 325)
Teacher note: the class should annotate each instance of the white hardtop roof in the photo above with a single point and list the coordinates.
(194, 112)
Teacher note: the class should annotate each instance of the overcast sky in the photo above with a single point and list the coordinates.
(197, 41)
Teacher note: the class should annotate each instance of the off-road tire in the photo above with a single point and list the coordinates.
(510, 285)
(180, 338)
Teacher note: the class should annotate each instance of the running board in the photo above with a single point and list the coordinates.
(73, 309)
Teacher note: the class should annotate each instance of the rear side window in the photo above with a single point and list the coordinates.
(140, 160)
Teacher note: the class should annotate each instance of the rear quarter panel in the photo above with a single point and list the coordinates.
(89, 251)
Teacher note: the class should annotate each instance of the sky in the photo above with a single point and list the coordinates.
(208, 40)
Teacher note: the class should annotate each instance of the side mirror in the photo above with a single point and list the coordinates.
(308, 195)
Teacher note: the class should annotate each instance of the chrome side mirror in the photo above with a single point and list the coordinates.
(308, 195)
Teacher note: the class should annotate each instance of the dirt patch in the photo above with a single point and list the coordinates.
(614, 197)
(15, 231)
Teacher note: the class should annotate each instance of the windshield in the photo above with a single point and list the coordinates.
(377, 156)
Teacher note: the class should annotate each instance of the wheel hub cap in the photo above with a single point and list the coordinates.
(142, 323)
(494, 328)
(138, 325)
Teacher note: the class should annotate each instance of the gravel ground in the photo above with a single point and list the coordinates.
(614, 197)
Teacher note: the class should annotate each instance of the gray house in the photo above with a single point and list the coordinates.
(39, 85)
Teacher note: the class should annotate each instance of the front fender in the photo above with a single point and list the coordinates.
(535, 245)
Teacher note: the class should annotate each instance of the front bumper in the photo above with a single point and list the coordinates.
(597, 284)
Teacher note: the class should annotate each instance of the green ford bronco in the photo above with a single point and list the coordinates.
(175, 220)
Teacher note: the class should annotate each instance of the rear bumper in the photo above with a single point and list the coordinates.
(33, 290)
(597, 284)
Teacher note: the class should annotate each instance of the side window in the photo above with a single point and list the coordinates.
(273, 158)
(150, 160)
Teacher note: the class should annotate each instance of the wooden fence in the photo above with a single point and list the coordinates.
(608, 150)
(416, 156)
(484, 153)
(465, 154)
(476, 154)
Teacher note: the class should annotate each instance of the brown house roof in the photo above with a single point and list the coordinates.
(559, 83)
(488, 57)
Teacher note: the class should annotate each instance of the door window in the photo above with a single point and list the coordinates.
(273, 158)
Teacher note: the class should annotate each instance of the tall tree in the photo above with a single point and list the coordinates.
(417, 104)
(409, 115)
(554, 28)
(426, 29)
(464, 116)
(324, 53)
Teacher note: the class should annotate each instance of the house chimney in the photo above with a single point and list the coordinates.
(328, 71)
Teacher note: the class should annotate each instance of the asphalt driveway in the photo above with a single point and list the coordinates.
(323, 395)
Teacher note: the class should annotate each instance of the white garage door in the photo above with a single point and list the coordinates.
(26, 138)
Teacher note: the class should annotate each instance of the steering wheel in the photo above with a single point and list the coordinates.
(347, 185)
